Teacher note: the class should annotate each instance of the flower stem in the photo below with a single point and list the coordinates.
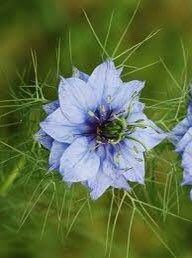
(8, 181)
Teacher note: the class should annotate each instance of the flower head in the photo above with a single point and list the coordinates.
(181, 137)
(97, 132)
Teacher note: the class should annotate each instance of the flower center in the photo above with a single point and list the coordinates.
(111, 131)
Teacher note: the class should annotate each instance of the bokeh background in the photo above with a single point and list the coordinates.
(33, 222)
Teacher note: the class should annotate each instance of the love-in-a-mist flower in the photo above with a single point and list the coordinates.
(181, 137)
(97, 132)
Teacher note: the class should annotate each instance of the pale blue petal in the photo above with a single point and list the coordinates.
(131, 162)
(186, 164)
(137, 106)
(120, 182)
(56, 153)
(117, 177)
(51, 107)
(179, 130)
(76, 99)
(189, 108)
(132, 146)
(105, 81)
(106, 176)
(149, 136)
(99, 184)
(58, 127)
(101, 152)
(79, 162)
(44, 139)
(126, 94)
(187, 177)
(81, 75)
(185, 140)
(136, 113)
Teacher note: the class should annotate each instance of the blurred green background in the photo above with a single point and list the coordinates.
(42, 26)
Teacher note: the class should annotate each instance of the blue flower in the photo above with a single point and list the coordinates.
(181, 137)
(97, 132)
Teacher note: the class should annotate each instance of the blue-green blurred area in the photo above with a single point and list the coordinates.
(38, 210)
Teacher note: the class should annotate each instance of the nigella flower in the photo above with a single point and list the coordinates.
(97, 132)
(181, 137)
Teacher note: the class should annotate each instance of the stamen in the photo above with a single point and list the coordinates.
(109, 99)
(92, 114)
(102, 108)
(117, 158)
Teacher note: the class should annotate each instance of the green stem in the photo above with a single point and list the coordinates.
(8, 181)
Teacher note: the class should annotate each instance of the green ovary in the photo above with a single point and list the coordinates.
(113, 131)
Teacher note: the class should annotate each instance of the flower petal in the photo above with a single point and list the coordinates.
(126, 94)
(106, 176)
(149, 135)
(186, 164)
(105, 81)
(76, 99)
(179, 130)
(189, 108)
(77, 73)
(51, 107)
(136, 112)
(99, 184)
(44, 139)
(56, 153)
(187, 138)
(79, 162)
(131, 162)
(118, 179)
(58, 127)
